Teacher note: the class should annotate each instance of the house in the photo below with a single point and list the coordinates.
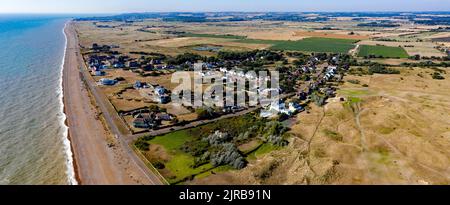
(280, 107)
(148, 67)
(118, 65)
(145, 121)
(295, 107)
(133, 65)
(303, 95)
(164, 99)
(164, 117)
(99, 73)
(160, 90)
(105, 81)
(139, 85)
(104, 66)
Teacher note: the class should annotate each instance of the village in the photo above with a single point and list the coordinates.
(103, 62)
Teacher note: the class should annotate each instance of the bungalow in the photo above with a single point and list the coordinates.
(164, 117)
(295, 107)
(148, 67)
(99, 73)
(145, 121)
(104, 66)
(133, 65)
(139, 85)
(280, 107)
(105, 81)
(160, 90)
(163, 99)
(118, 65)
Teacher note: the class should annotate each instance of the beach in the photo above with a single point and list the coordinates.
(95, 162)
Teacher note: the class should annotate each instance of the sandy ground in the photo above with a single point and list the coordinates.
(96, 162)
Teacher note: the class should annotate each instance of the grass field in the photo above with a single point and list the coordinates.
(180, 164)
(384, 51)
(314, 44)
(200, 35)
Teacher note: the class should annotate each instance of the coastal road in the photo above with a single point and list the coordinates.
(95, 161)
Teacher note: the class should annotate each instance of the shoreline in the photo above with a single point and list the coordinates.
(72, 169)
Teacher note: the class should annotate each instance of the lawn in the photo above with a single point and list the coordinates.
(314, 44)
(201, 35)
(180, 164)
(172, 141)
(382, 51)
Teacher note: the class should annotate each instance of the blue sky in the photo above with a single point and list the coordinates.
(121, 6)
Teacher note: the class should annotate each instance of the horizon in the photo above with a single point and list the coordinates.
(202, 6)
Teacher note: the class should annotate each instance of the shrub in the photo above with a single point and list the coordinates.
(382, 70)
(437, 76)
(354, 81)
(159, 165)
(142, 145)
(228, 154)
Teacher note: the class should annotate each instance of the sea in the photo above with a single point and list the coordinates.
(34, 148)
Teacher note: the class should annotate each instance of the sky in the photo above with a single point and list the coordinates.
(126, 6)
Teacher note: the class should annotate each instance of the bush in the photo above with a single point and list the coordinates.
(142, 145)
(217, 138)
(437, 76)
(228, 154)
(204, 113)
(159, 165)
(354, 81)
(318, 98)
(382, 70)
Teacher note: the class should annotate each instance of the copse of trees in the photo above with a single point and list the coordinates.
(382, 70)
(183, 58)
(267, 55)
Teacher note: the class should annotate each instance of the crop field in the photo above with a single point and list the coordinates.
(384, 51)
(199, 35)
(314, 44)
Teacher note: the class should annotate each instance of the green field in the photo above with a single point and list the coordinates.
(382, 51)
(180, 164)
(329, 45)
(201, 35)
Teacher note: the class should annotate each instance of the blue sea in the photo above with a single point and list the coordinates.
(34, 148)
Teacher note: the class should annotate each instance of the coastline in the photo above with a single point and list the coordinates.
(73, 176)
(94, 161)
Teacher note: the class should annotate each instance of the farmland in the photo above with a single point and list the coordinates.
(313, 44)
(382, 51)
(199, 35)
